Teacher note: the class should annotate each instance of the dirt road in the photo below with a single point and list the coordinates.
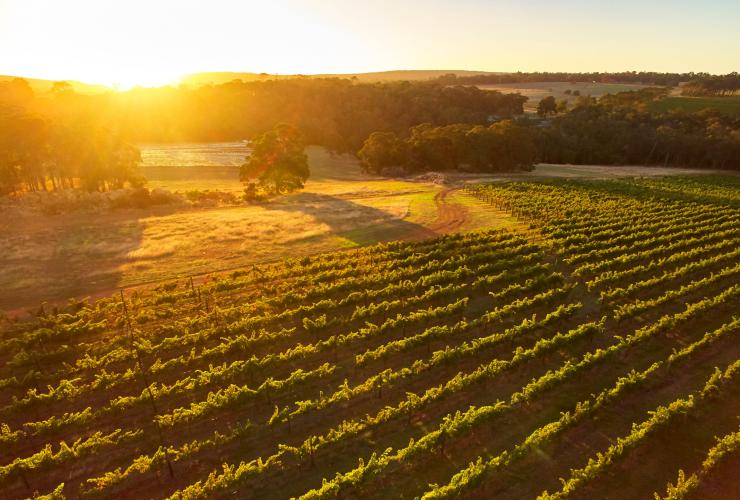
(450, 216)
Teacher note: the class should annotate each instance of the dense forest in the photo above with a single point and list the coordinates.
(619, 129)
(502, 146)
(338, 113)
(51, 139)
(40, 152)
(63, 138)
(616, 129)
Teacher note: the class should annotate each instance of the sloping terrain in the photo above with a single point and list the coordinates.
(594, 341)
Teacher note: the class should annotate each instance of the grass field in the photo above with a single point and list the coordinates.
(53, 258)
(535, 91)
(593, 337)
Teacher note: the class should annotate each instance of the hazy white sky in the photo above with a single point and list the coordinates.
(155, 41)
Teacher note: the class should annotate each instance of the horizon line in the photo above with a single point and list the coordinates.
(356, 73)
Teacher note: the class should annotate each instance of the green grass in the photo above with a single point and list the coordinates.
(483, 216)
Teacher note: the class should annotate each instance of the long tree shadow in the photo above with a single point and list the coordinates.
(359, 224)
(55, 258)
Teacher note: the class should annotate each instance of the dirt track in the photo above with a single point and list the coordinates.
(450, 216)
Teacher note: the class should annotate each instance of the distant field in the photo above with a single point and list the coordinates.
(182, 167)
(194, 154)
(728, 105)
(194, 166)
(537, 90)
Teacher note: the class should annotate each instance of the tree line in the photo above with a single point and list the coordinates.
(334, 112)
(40, 153)
(621, 129)
(712, 85)
(277, 163)
(617, 129)
(62, 139)
(502, 146)
(641, 77)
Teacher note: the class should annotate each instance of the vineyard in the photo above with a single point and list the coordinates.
(591, 354)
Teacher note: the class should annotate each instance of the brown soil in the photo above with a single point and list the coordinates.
(450, 217)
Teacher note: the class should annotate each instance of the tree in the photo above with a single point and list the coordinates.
(547, 106)
(61, 88)
(38, 155)
(380, 150)
(16, 92)
(437, 148)
(512, 147)
(562, 106)
(502, 146)
(124, 165)
(278, 161)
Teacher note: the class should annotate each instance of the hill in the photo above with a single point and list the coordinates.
(216, 78)
(536, 91)
(42, 86)
(595, 340)
(221, 77)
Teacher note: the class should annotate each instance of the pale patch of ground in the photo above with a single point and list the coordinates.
(535, 91)
(331, 174)
(194, 154)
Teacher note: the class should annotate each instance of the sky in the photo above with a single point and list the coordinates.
(154, 42)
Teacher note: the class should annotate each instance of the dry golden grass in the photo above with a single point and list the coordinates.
(71, 255)
(56, 257)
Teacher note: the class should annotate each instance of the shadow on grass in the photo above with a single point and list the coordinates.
(53, 259)
(358, 224)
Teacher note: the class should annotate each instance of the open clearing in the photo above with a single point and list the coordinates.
(535, 91)
(52, 258)
(538, 90)
(55, 257)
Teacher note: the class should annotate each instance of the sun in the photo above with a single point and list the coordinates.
(145, 78)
